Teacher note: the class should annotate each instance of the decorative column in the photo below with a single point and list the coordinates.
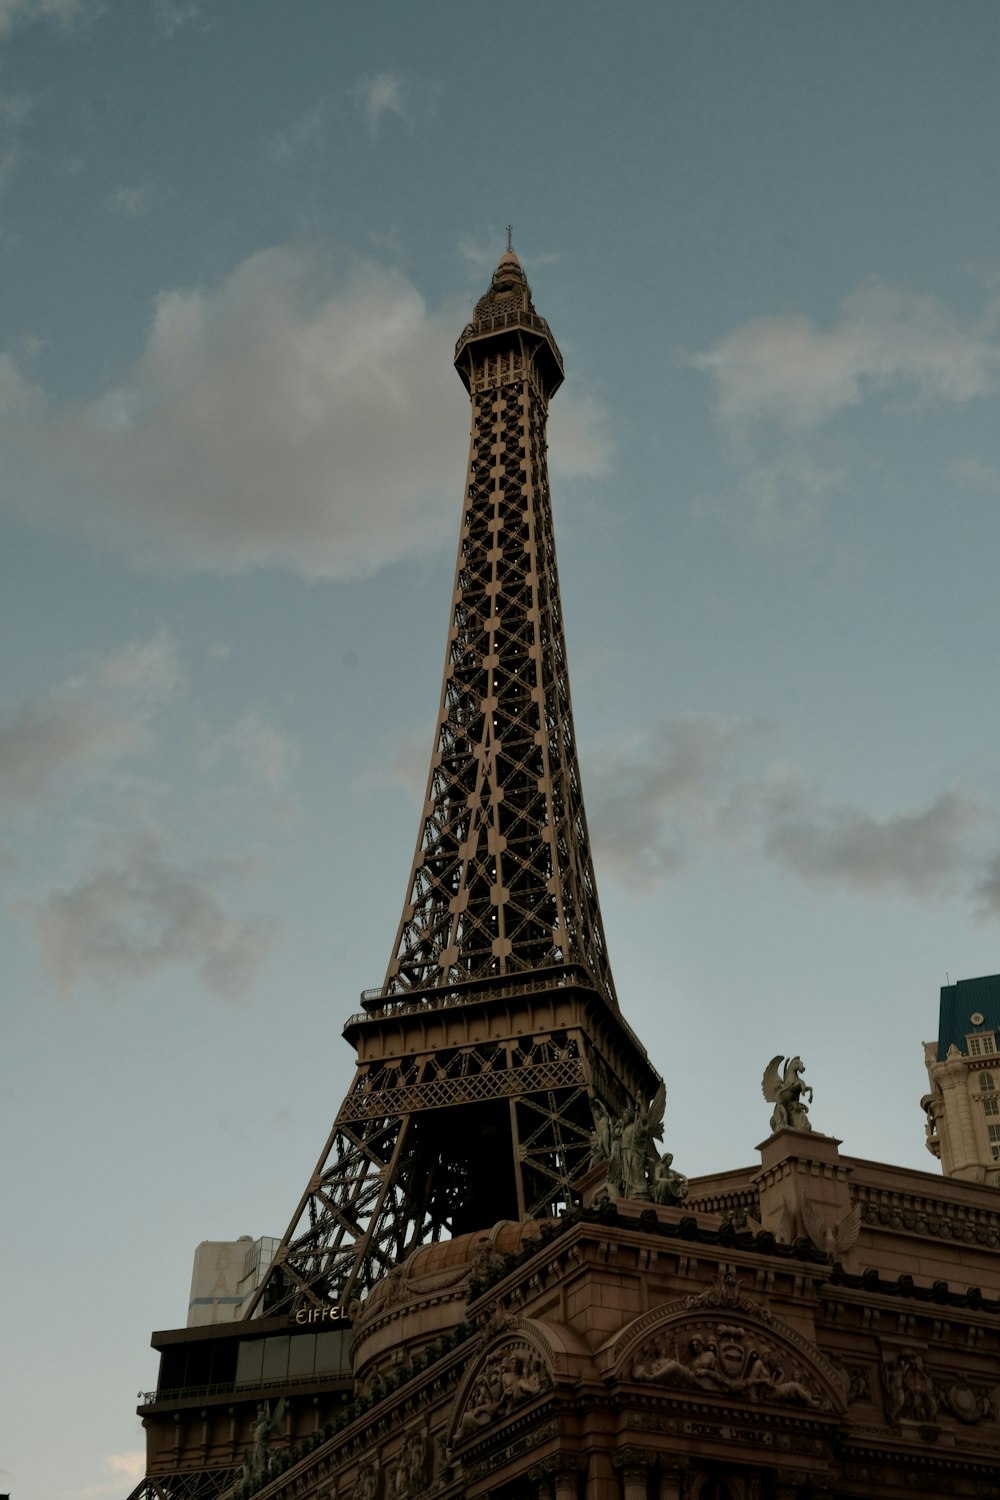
(633, 1465)
(670, 1472)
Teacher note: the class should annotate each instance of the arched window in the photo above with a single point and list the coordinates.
(986, 1081)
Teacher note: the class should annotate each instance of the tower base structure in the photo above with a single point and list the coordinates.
(815, 1326)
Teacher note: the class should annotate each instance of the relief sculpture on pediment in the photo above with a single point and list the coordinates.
(508, 1378)
(726, 1359)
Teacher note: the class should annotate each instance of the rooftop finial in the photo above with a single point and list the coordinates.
(510, 239)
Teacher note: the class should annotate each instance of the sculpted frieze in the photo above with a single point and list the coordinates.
(913, 1395)
(727, 1359)
(933, 1219)
(723, 1343)
(509, 1377)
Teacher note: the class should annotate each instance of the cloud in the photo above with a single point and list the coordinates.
(406, 767)
(918, 852)
(15, 110)
(656, 803)
(20, 12)
(650, 799)
(266, 757)
(137, 914)
(385, 94)
(975, 474)
(131, 202)
(171, 15)
(279, 419)
(580, 442)
(122, 1469)
(780, 382)
(786, 371)
(90, 721)
(302, 133)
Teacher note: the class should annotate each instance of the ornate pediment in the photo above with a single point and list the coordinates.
(721, 1343)
(510, 1373)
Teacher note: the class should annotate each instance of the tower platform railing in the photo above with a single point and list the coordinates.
(419, 1002)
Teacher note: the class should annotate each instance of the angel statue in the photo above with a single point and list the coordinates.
(784, 1091)
(635, 1168)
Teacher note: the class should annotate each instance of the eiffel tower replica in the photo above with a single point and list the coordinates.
(497, 1023)
(497, 1026)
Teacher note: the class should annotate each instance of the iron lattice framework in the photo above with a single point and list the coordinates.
(199, 1484)
(502, 880)
(498, 1021)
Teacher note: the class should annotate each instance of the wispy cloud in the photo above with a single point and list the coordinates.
(649, 800)
(132, 202)
(21, 12)
(137, 913)
(786, 371)
(172, 15)
(297, 137)
(266, 758)
(976, 474)
(90, 721)
(278, 419)
(659, 802)
(384, 94)
(917, 852)
(15, 111)
(780, 381)
(121, 1469)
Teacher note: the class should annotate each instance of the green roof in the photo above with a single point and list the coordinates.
(959, 1003)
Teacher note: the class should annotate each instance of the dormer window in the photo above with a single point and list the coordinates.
(982, 1044)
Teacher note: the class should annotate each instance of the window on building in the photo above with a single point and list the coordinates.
(991, 1105)
(993, 1132)
(982, 1044)
(987, 1081)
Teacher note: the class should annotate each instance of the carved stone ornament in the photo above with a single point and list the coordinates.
(966, 1402)
(727, 1359)
(509, 1377)
(854, 1379)
(367, 1484)
(410, 1474)
(726, 1291)
(909, 1390)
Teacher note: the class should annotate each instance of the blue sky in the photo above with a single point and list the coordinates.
(237, 242)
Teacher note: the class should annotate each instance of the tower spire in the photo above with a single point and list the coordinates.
(502, 881)
(497, 1021)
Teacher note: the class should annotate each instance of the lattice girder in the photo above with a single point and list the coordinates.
(466, 1110)
(497, 1023)
(502, 880)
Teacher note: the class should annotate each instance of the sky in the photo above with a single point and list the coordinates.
(238, 240)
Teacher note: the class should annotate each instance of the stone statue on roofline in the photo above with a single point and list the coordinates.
(635, 1169)
(785, 1090)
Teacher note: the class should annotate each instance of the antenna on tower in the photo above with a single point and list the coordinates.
(510, 239)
